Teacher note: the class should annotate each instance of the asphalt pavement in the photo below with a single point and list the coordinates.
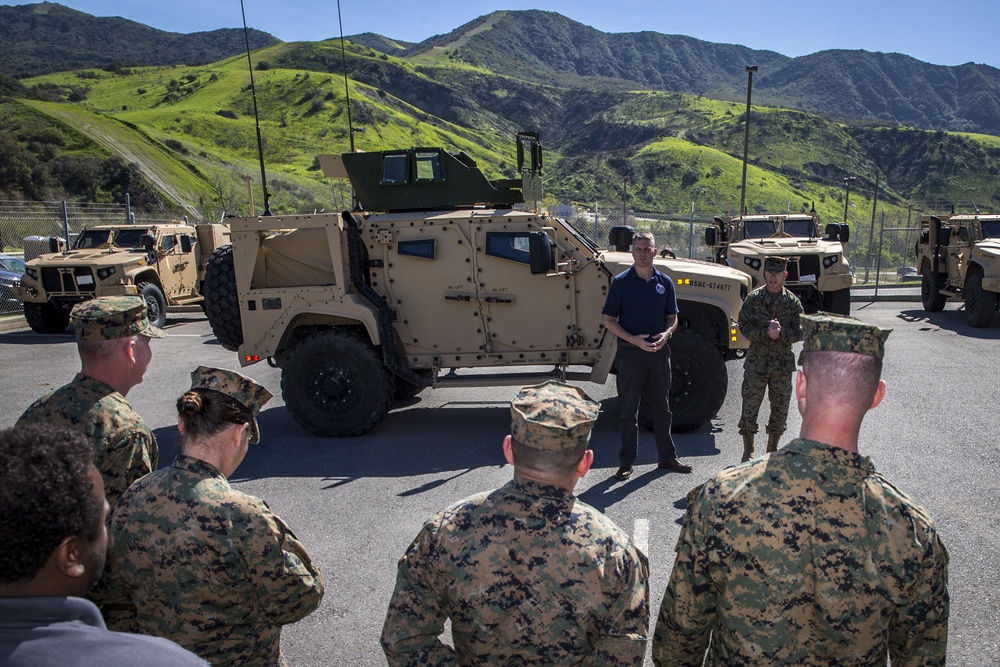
(357, 503)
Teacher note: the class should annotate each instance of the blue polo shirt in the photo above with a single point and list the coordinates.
(641, 306)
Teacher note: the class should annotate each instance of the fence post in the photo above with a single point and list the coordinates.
(65, 212)
(691, 234)
(128, 209)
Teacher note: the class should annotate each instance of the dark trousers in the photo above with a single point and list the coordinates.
(639, 370)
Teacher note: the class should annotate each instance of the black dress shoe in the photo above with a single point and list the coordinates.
(623, 473)
(675, 465)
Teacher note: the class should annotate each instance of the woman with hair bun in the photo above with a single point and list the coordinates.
(205, 565)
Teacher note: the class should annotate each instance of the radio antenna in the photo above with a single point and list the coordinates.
(256, 117)
(347, 88)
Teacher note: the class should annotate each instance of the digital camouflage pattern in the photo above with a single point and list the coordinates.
(124, 446)
(210, 567)
(769, 363)
(805, 557)
(246, 391)
(111, 317)
(553, 416)
(528, 575)
(836, 333)
(775, 264)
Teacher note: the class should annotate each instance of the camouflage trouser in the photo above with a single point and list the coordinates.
(760, 374)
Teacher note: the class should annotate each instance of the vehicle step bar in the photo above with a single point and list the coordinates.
(507, 379)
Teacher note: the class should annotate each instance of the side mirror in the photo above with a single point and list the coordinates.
(845, 233)
(186, 244)
(944, 235)
(712, 236)
(540, 254)
(964, 235)
(148, 242)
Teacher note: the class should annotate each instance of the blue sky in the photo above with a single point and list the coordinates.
(943, 32)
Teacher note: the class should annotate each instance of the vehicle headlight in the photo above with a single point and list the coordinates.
(830, 260)
(32, 273)
(752, 262)
(106, 273)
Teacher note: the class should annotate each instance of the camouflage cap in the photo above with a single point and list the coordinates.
(775, 264)
(552, 416)
(247, 392)
(111, 317)
(826, 332)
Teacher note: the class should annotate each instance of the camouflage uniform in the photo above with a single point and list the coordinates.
(527, 574)
(208, 566)
(124, 446)
(806, 557)
(769, 363)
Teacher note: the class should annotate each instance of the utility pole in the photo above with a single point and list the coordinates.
(847, 198)
(625, 200)
(746, 140)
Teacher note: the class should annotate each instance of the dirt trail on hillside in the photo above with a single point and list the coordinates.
(105, 137)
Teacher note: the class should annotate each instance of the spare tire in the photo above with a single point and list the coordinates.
(222, 303)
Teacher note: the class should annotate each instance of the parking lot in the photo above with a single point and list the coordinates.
(356, 503)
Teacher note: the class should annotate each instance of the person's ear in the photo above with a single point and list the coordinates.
(70, 558)
(879, 395)
(800, 391)
(586, 461)
(508, 451)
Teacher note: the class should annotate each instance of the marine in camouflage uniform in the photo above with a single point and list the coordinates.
(208, 566)
(808, 556)
(527, 574)
(769, 363)
(124, 446)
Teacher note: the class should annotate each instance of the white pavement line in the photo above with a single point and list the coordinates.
(640, 535)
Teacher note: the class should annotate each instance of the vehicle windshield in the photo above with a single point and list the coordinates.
(991, 229)
(800, 228)
(12, 264)
(758, 229)
(123, 238)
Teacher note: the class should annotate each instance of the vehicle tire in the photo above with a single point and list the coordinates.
(980, 305)
(838, 301)
(45, 318)
(156, 305)
(222, 304)
(698, 383)
(930, 292)
(335, 384)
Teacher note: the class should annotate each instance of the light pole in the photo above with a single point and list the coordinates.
(847, 197)
(746, 139)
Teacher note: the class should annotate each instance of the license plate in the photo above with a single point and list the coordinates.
(85, 280)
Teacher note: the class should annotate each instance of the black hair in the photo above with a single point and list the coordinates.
(46, 495)
(547, 461)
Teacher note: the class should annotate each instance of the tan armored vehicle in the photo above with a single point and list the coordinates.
(818, 271)
(164, 263)
(448, 286)
(958, 257)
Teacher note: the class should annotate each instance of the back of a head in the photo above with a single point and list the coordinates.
(46, 495)
(842, 359)
(219, 398)
(550, 427)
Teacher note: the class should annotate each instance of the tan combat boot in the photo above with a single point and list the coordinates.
(747, 446)
(772, 441)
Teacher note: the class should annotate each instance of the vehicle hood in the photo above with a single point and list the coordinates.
(90, 257)
(618, 262)
(786, 246)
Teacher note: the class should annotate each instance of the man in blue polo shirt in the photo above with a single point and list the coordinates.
(641, 310)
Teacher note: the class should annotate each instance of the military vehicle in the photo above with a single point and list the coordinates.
(818, 271)
(958, 257)
(163, 263)
(443, 273)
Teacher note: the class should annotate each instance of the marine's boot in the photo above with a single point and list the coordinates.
(747, 446)
(772, 441)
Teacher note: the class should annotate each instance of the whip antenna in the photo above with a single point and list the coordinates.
(347, 88)
(256, 117)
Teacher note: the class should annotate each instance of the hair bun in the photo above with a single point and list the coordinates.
(190, 403)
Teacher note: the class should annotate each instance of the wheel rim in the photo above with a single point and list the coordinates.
(333, 387)
(152, 308)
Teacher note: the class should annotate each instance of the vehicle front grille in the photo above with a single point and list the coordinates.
(67, 280)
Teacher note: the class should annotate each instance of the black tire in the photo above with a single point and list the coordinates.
(45, 318)
(156, 305)
(222, 304)
(930, 292)
(980, 305)
(838, 301)
(698, 384)
(335, 384)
